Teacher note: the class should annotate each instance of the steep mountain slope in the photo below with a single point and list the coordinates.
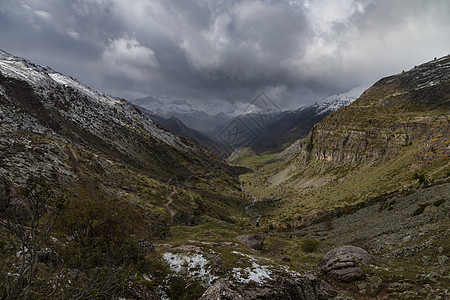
(56, 128)
(274, 131)
(393, 137)
(240, 153)
(177, 126)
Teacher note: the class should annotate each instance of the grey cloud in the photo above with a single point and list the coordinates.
(299, 51)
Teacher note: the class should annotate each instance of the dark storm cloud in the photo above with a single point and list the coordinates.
(227, 50)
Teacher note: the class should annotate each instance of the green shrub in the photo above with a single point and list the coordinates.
(100, 232)
(181, 288)
(309, 246)
(439, 202)
(420, 209)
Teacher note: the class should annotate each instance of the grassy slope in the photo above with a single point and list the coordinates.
(394, 131)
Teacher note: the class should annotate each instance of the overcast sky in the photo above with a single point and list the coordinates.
(296, 50)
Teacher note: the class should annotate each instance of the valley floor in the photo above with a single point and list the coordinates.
(407, 235)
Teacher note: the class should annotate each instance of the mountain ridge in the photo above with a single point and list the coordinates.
(394, 133)
(44, 115)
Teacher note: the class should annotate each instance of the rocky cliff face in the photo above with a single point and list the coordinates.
(410, 109)
(240, 153)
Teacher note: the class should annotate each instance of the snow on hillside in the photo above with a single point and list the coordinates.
(335, 102)
(169, 107)
(94, 112)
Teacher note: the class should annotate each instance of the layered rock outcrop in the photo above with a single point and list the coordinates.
(406, 109)
(342, 263)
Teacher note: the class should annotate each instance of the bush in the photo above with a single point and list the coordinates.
(439, 202)
(421, 208)
(183, 289)
(309, 246)
(100, 233)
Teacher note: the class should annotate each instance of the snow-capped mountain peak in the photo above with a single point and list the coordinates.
(175, 107)
(93, 111)
(335, 102)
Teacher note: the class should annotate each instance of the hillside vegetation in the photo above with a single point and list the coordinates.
(394, 137)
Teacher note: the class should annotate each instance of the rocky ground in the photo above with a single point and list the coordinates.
(391, 247)
(407, 235)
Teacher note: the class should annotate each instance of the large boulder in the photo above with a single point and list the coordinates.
(254, 241)
(342, 263)
(308, 287)
(221, 290)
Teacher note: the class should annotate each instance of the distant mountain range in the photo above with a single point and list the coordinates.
(198, 117)
(275, 131)
(234, 126)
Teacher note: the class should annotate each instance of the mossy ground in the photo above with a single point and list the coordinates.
(254, 161)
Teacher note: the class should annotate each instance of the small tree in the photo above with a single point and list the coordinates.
(26, 222)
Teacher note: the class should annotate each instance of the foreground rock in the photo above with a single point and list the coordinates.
(279, 287)
(222, 290)
(254, 241)
(342, 263)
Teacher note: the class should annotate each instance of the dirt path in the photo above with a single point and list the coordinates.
(170, 200)
(76, 167)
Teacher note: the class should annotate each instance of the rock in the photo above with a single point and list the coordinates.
(285, 259)
(375, 282)
(442, 259)
(434, 277)
(146, 246)
(426, 260)
(341, 263)
(307, 287)
(254, 241)
(362, 285)
(304, 288)
(399, 287)
(221, 290)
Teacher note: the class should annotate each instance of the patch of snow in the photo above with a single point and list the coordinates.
(256, 273)
(335, 102)
(93, 113)
(261, 270)
(147, 277)
(193, 265)
(20, 252)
